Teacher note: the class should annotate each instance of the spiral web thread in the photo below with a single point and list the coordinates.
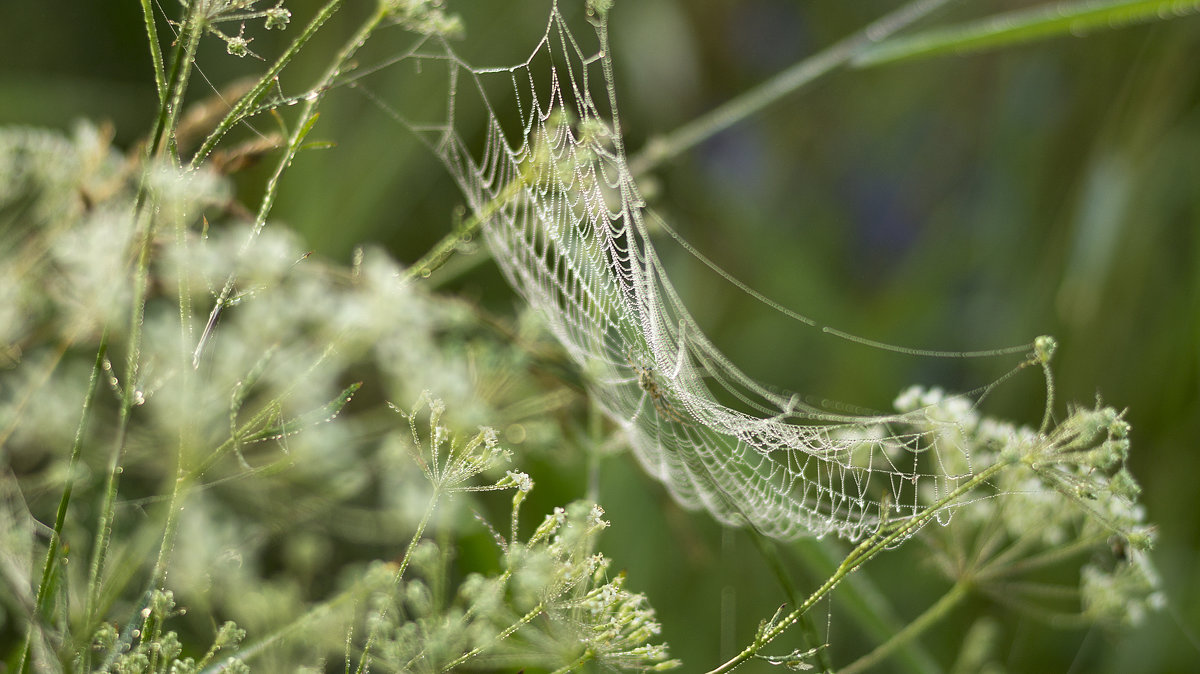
(566, 224)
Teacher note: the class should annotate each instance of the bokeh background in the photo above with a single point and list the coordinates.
(960, 202)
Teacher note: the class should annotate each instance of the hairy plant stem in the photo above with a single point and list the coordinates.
(913, 629)
(506, 633)
(185, 51)
(152, 625)
(866, 550)
(60, 518)
(171, 97)
(156, 60)
(770, 554)
(866, 604)
(403, 566)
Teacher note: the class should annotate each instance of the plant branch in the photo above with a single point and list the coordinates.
(858, 556)
(64, 502)
(799, 75)
(308, 117)
(185, 50)
(246, 104)
(156, 60)
(508, 631)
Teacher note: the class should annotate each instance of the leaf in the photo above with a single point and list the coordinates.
(1010, 28)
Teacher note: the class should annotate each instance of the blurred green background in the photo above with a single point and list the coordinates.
(961, 202)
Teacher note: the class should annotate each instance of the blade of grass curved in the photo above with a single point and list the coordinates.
(1011, 28)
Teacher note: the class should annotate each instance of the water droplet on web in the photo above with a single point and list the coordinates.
(312, 95)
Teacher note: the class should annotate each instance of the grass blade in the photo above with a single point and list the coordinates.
(1010, 28)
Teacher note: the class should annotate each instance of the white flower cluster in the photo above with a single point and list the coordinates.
(1065, 491)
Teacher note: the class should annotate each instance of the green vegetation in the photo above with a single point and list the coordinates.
(263, 407)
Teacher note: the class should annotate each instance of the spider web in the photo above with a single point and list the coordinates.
(567, 226)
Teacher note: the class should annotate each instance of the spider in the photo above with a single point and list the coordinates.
(649, 384)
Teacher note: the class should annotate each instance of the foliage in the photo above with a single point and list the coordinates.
(194, 430)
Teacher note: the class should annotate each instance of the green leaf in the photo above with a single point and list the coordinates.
(1010, 28)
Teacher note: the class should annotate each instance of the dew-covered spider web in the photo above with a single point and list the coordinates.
(562, 215)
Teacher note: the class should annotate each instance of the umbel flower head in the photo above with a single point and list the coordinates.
(552, 603)
(1065, 494)
(449, 465)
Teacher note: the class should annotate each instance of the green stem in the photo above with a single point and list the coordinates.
(689, 135)
(156, 60)
(399, 575)
(582, 660)
(803, 73)
(308, 117)
(508, 631)
(171, 96)
(441, 252)
(168, 113)
(770, 554)
(186, 426)
(61, 517)
(866, 604)
(858, 556)
(912, 630)
(246, 104)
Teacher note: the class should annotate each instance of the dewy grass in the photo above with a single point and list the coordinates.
(195, 403)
